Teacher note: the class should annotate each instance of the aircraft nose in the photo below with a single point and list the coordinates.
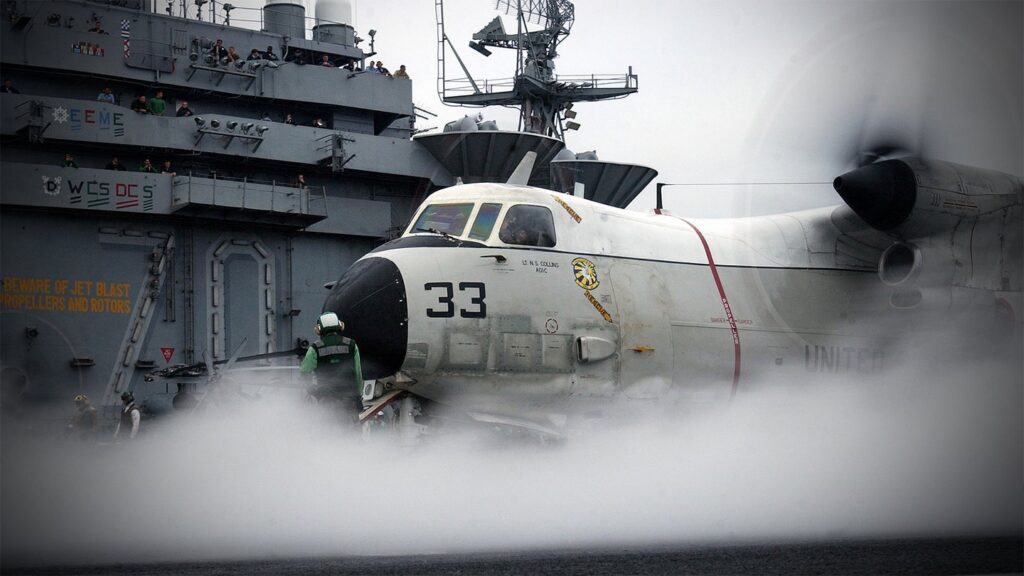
(370, 299)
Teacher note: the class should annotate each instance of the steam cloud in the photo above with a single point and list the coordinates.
(907, 455)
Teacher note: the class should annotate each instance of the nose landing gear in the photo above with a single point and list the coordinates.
(395, 411)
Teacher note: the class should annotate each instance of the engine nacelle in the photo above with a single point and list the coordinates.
(917, 197)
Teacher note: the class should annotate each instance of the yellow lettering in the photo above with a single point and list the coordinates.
(21, 285)
(109, 305)
(82, 287)
(47, 294)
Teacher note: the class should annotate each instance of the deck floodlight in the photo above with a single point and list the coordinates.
(232, 125)
(199, 121)
(261, 129)
(214, 124)
(193, 56)
(568, 106)
(247, 127)
(569, 114)
(372, 33)
(479, 48)
(572, 125)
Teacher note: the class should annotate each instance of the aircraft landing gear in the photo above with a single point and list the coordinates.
(409, 432)
(395, 412)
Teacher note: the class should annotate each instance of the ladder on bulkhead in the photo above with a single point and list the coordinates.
(142, 314)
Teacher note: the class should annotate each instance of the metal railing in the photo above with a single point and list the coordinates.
(212, 11)
(464, 86)
(238, 16)
(249, 194)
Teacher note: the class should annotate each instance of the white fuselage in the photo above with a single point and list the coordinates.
(630, 304)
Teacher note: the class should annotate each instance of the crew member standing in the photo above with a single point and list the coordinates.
(335, 359)
(131, 417)
(84, 423)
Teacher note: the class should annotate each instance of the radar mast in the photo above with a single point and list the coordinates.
(544, 99)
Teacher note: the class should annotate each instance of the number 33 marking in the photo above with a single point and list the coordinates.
(448, 299)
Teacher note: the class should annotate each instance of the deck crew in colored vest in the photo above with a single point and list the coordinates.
(131, 418)
(85, 422)
(335, 360)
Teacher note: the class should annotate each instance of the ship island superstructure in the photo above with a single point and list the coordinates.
(285, 172)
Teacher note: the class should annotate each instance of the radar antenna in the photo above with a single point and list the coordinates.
(544, 99)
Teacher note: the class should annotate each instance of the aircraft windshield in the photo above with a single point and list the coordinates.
(485, 220)
(445, 218)
(528, 226)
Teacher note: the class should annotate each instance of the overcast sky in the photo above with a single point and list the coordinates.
(755, 91)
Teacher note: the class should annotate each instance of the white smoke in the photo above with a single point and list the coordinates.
(810, 460)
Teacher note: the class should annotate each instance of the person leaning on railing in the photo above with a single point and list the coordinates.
(139, 105)
(183, 109)
(157, 105)
(218, 51)
(106, 96)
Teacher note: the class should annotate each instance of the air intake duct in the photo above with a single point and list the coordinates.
(900, 264)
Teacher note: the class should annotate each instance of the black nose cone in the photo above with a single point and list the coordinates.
(370, 299)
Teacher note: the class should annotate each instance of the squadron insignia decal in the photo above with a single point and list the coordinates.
(586, 274)
(586, 277)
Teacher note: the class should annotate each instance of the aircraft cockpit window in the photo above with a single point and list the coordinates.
(448, 219)
(528, 226)
(485, 220)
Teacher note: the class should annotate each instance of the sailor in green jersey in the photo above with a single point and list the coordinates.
(157, 104)
(335, 361)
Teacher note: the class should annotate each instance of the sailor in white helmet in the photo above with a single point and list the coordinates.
(335, 360)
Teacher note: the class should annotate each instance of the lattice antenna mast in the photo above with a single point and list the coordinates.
(543, 98)
(537, 50)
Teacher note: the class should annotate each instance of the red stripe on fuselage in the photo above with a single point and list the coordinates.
(725, 305)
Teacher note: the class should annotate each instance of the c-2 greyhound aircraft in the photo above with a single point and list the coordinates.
(508, 304)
